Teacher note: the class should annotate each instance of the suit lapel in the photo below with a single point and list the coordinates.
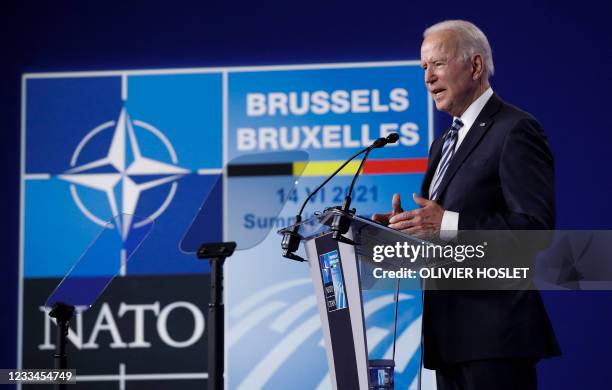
(482, 123)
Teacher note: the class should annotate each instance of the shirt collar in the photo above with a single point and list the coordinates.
(469, 116)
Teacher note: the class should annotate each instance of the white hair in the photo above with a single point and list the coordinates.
(471, 41)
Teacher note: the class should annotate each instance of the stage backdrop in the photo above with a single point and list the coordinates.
(154, 144)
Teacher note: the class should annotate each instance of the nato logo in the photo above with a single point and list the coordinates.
(117, 151)
(123, 174)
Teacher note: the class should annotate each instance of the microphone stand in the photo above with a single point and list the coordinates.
(291, 240)
(340, 223)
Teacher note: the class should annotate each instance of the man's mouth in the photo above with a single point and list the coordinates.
(437, 92)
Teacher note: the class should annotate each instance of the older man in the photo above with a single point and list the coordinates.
(492, 169)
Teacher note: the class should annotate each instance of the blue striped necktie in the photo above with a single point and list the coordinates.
(447, 154)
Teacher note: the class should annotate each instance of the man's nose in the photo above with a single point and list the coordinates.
(430, 76)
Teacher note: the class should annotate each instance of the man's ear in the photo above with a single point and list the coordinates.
(477, 67)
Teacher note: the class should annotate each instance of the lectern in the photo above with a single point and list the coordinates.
(342, 267)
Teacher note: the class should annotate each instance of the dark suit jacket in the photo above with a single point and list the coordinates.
(500, 178)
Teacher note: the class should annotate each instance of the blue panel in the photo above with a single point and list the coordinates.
(105, 157)
(276, 352)
(56, 233)
(356, 105)
(189, 107)
(60, 111)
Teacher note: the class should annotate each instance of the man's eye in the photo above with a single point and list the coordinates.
(439, 63)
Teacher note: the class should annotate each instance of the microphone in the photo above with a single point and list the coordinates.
(291, 239)
(381, 142)
(392, 138)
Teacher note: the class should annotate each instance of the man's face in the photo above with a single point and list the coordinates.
(448, 77)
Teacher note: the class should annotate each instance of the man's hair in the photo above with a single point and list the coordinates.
(471, 41)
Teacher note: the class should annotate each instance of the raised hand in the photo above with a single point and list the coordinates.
(422, 222)
(396, 208)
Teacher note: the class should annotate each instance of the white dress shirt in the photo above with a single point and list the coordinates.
(450, 219)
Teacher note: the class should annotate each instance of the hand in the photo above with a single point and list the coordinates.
(423, 222)
(396, 208)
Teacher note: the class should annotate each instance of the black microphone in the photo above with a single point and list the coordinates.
(291, 239)
(390, 139)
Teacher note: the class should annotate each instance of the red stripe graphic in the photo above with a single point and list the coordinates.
(395, 165)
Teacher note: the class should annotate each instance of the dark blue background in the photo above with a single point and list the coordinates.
(552, 59)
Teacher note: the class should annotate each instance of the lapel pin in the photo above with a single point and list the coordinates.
(482, 124)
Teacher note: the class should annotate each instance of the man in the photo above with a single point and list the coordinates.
(492, 170)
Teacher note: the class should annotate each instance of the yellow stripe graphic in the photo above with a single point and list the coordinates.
(324, 168)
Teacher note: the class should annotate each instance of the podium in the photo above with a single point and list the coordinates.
(339, 249)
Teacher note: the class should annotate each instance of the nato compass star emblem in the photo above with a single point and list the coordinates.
(124, 173)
